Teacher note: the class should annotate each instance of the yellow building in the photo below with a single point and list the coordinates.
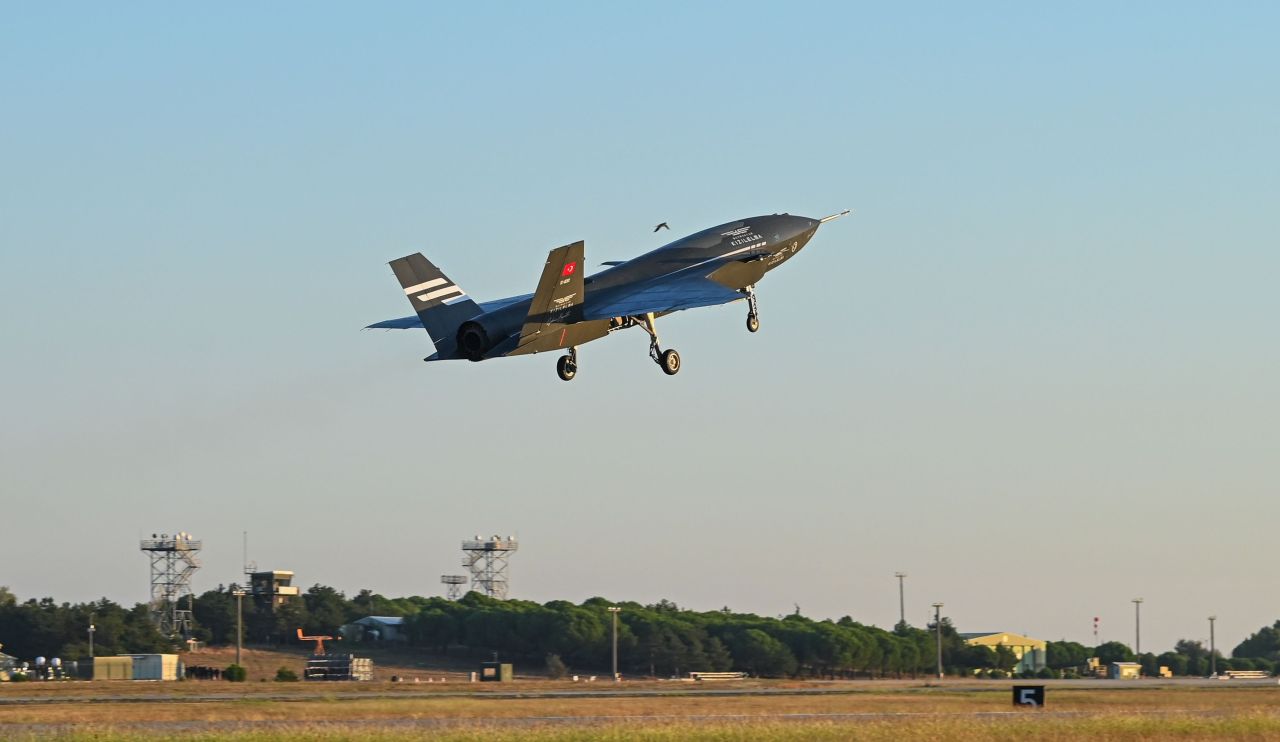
(113, 668)
(1029, 652)
(1125, 671)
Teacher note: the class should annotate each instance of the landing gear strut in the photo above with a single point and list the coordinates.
(753, 310)
(668, 359)
(567, 366)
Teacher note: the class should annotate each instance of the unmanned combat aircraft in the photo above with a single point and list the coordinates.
(567, 309)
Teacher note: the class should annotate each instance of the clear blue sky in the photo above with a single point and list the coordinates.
(1037, 368)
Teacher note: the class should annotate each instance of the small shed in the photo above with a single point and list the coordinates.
(1125, 671)
(113, 668)
(155, 666)
(496, 672)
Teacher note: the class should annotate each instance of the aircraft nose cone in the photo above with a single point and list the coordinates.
(801, 225)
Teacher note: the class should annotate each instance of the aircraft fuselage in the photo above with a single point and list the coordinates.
(756, 246)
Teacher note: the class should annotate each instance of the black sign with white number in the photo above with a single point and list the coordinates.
(1028, 695)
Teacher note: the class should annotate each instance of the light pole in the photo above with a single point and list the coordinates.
(615, 610)
(902, 602)
(1137, 627)
(1213, 658)
(91, 630)
(937, 627)
(239, 593)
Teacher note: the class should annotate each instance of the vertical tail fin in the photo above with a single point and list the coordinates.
(557, 302)
(441, 304)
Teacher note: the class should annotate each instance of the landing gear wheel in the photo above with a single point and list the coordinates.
(670, 362)
(567, 368)
(753, 310)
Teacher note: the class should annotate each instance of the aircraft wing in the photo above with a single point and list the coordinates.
(414, 323)
(665, 294)
(401, 323)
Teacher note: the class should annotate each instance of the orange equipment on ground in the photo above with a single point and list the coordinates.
(319, 640)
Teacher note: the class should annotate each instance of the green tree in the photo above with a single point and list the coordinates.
(215, 611)
(1264, 643)
(435, 627)
(327, 610)
(762, 655)
(1197, 656)
(556, 668)
(1177, 663)
(1113, 652)
(1062, 655)
(1005, 658)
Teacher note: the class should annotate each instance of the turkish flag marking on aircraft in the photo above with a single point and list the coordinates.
(568, 269)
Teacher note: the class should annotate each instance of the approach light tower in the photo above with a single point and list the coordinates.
(453, 585)
(487, 560)
(173, 562)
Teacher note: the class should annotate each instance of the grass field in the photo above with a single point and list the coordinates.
(659, 711)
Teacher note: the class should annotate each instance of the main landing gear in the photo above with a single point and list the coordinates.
(753, 310)
(668, 359)
(567, 366)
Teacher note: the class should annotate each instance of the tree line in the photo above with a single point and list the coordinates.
(660, 639)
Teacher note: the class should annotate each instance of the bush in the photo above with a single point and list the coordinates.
(18, 677)
(997, 673)
(285, 675)
(1044, 673)
(555, 667)
(235, 673)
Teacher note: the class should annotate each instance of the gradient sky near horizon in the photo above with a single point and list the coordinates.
(1037, 368)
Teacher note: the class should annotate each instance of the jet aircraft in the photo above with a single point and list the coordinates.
(567, 309)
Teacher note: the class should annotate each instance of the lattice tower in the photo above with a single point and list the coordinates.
(453, 585)
(487, 560)
(173, 562)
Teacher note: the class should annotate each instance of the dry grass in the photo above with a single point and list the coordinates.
(1100, 728)
(860, 711)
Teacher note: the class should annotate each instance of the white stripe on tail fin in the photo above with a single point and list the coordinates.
(441, 304)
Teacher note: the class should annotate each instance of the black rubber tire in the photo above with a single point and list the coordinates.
(670, 362)
(566, 368)
(753, 323)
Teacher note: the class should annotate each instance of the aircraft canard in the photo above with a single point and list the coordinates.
(567, 308)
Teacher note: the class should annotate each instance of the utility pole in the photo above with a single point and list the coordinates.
(1213, 654)
(615, 610)
(902, 602)
(239, 593)
(937, 627)
(91, 630)
(1137, 627)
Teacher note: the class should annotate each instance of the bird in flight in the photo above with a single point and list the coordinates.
(661, 226)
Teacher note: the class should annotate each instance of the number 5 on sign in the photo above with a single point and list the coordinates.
(1028, 695)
